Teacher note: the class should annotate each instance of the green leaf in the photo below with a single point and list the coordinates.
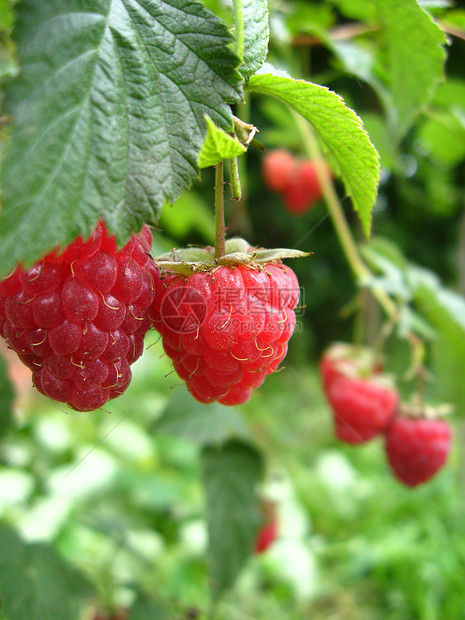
(231, 474)
(6, 399)
(36, 584)
(443, 134)
(204, 424)
(340, 129)
(8, 61)
(145, 608)
(218, 145)
(415, 58)
(256, 35)
(108, 115)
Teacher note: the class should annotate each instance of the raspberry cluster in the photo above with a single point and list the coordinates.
(77, 319)
(226, 329)
(296, 180)
(364, 405)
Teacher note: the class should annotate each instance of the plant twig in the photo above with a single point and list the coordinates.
(336, 213)
(239, 28)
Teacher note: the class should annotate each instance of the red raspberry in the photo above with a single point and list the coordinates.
(78, 318)
(226, 329)
(266, 536)
(303, 189)
(362, 408)
(362, 402)
(417, 448)
(278, 170)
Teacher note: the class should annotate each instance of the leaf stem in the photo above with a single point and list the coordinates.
(336, 213)
(239, 28)
(219, 211)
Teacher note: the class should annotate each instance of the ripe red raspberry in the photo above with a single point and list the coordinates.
(267, 534)
(278, 169)
(362, 401)
(78, 318)
(228, 328)
(303, 189)
(417, 448)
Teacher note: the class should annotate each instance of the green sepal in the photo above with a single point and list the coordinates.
(238, 252)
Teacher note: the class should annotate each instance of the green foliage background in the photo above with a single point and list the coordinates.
(107, 510)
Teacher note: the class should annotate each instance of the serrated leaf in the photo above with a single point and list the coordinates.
(415, 58)
(6, 399)
(108, 115)
(256, 35)
(203, 424)
(339, 128)
(218, 145)
(231, 474)
(35, 583)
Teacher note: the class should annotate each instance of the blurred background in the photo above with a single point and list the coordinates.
(118, 493)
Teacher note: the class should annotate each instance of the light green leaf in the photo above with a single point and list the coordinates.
(190, 212)
(218, 145)
(415, 58)
(340, 129)
(445, 310)
(443, 134)
(108, 115)
(231, 474)
(204, 424)
(6, 399)
(256, 35)
(36, 584)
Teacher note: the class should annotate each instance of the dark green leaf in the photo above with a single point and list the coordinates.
(108, 115)
(204, 424)
(145, 608)
(36, 584)
(340, 129)
(415, 58)
(256, 35)
(231, 474)
(6, 399)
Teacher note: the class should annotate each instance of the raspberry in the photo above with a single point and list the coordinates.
(417, 448)
(303, 189)
(266, 536)
(362, 401)
(78, 318)
(226, 329)
(278, 169)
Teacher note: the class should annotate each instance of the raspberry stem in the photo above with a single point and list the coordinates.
(219, 212)
(239, 28)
